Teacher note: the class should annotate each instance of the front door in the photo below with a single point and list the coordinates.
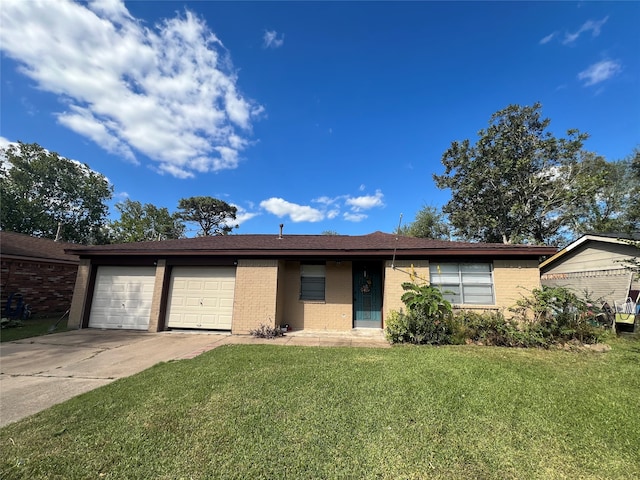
(367, 295)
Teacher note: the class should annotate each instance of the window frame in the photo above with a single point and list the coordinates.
(461, 286)
(312, 278)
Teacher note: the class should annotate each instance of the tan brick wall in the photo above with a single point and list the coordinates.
(155, 322)
(513, 279)
(255, 295)
(335, 313)
(395, 277)
(79, 302)
(282, 293)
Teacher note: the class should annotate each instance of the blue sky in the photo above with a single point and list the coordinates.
(321, 116)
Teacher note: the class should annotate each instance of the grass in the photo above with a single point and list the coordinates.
(263, 411)
(33, 327)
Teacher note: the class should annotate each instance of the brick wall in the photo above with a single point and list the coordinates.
(255, 294)
(79, 303)
(334, 313)
(395, 277)
(513, 279)
(46, 287)
(155, 322)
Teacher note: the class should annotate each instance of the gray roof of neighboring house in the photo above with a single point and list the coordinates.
(26, 247)
(376, 244)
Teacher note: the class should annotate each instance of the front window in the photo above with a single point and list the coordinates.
(464, 283)
(312, 281)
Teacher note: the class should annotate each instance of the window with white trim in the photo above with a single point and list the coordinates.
(312, 281)
(464, 283)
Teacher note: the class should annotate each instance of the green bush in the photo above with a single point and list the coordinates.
(428, 319)
(548, 316)
(492, 328)
(559, 315)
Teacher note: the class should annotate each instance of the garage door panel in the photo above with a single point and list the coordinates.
(201, 297)
(226, 302)
(122, 298)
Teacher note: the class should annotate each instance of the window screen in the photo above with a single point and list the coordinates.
(312, 281)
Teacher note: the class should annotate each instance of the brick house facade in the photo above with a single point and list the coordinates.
(309, 282)
(39, 270)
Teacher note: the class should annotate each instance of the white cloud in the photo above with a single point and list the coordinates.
(4, 143)
(242, 215)
(331, 214)
(297, 213)
(329, 200)
(167, 91)
(365, 202)
(547, 39)
(599, 72)
(329, 207)
(593, 26)
(120, 196)
(271, 40)
(354, 217)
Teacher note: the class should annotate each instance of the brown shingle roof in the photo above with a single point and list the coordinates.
(18, 245)
(374, 244)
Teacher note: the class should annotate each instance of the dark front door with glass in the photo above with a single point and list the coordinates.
(367, 295)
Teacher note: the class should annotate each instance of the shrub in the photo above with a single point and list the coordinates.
(397, 330)
(266, 331)
(428, 319)
(492, 328)
(559, 315)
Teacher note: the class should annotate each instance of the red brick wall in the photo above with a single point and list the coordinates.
(47, 287)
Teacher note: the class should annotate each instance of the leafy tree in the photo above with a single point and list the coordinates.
(633, 210)
(429, 223)
(41, 189)
(603, 196)
(145, 222)
(212, 215)
(329, 232)
(511, 185)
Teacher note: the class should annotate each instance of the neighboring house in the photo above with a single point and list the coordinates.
(310, 282)
(38, 270)
(594, 264)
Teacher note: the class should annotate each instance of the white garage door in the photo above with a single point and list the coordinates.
(201, 297)
(122, 298)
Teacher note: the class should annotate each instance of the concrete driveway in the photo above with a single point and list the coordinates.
(38, 372)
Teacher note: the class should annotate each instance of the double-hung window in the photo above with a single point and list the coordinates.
(464, 283)
(312, 281)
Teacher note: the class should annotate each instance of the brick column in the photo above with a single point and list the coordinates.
(156, 323)
(80, 294)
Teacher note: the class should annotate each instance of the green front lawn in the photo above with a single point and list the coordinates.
(33, 327)
(264, 411)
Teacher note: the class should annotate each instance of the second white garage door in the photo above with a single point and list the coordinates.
(201, 297)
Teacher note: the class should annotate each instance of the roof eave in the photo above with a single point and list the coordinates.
(496, 252)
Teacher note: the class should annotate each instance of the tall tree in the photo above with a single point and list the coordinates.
(603, 196)
(429, 223)
(140, 222)
(633, 210)
(214, 216)
(510, 186)
(41, 190)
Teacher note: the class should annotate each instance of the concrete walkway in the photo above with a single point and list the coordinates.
(38, 372)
